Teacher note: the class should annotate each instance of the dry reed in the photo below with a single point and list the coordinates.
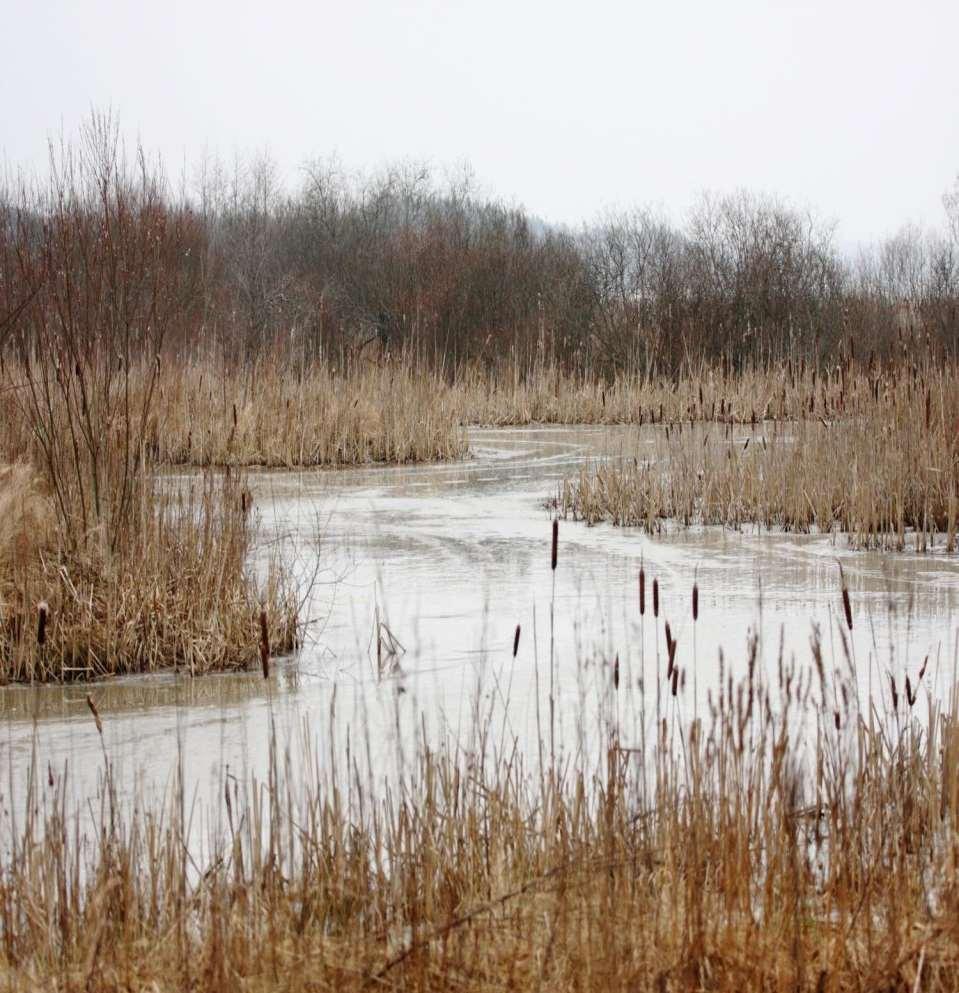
(884, 469)
(783, 846)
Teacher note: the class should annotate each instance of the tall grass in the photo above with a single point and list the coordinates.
(784, 841)
(880, 464)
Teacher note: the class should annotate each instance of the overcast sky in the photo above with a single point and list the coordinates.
(851, 107)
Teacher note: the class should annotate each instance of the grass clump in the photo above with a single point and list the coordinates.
(277, 413)
(883, 468)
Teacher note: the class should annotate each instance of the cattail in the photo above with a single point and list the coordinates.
(96, 714)
(846, 606)
(895, 694)
(910, 696)
(234, 416)
(671, 647)
(42, 611)
(655, 598)
(835, 715)
(675, 680)
(264, 644)
(616, 673)
(555, 542)
(516, 642)
(695, 602)
(642, 591)
(922, 671)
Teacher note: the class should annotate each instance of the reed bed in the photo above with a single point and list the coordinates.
(542, 391)
(884, 470)
(376, 408)
(785, 840)
(179, 594)
(279, 415)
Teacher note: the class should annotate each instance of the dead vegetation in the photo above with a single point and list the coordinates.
(783, 840)
(105, 568)
(874, 455)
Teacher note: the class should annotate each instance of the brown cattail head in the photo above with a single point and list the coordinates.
(695, 602)
(675, 679)
(846, 606)
(671, 648)
(516, 642)
(555, 542)
(922, 671)
(616, 673)
(642, 591)
(655, 598)
(96, 714)
(42, 612)
(264, 644)
(835, 715)
(895, 693)
(910, 696)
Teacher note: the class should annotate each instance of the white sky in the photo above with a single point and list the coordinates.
(849, 106)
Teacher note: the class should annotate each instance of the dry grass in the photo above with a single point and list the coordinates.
(178, 594)
(277, 414)
(511, 393)
(882, 468)
(281, 413)
(787, 841)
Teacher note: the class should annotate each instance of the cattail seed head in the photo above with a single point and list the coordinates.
(675, 680)
(895, 693)
(695, 602)
(516, 641)
(42, 612)
(642, 591)
(555, 542)
(616, 673)
(655, 598)
(264, 644)
(846, 606)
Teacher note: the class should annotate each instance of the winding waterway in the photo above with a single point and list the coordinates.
(450, 559)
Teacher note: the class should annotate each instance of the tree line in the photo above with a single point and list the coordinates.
(403, 260)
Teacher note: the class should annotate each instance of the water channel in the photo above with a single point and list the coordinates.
(449, 559)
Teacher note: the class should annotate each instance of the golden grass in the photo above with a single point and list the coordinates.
(280, 415)
(542, 392)
(786, 841)
(275, 414)
(278, 412)
(180, 594)
(107, 568)
(882, 468)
